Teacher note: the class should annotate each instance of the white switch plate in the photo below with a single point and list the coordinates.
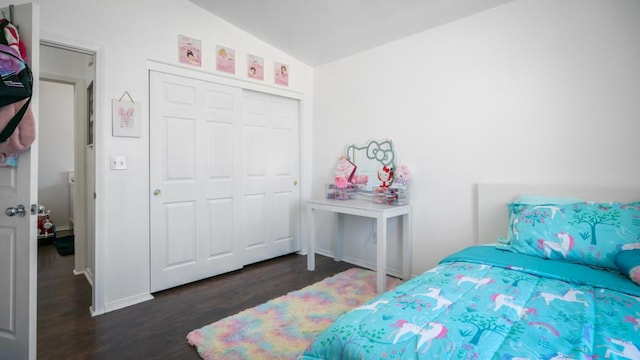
(118, 163)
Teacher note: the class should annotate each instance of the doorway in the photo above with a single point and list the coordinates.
(66, 152)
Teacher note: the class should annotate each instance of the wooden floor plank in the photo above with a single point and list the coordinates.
(155, 329)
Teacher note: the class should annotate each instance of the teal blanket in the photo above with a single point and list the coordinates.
(485, 303)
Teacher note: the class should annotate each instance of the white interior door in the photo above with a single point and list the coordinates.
(194, 208)
(271, 168)
(18, 243)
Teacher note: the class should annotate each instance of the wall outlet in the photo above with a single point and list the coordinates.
(118, 163)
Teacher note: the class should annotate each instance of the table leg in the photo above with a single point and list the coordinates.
(311, 246)
(406, 247)
(381, 255)
(337, 236)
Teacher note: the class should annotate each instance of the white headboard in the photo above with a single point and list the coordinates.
(493, 198)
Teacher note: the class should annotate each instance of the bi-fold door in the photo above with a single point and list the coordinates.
(224, 167)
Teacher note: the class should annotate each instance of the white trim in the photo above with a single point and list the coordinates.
(67, 47)
(173, 69)
(88, 275)
(128, 301)
(101, 132)
(100, 230)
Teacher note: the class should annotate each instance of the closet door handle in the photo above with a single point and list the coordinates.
(157, 192)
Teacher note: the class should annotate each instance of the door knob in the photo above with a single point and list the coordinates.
(157, 192)
(18, 210)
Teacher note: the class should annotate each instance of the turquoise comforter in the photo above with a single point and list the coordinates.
(485, 303)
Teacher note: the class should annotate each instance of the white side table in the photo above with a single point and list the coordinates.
(381, 213)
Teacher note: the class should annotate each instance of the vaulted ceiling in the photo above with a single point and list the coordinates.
(321, 31)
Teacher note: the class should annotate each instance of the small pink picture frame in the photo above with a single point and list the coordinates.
(281, 73)
(255, 67)
(189, 51)
(225, 59)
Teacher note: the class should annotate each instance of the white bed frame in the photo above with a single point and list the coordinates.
(492, 200)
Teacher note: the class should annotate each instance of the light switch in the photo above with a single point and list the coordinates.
(118, 163)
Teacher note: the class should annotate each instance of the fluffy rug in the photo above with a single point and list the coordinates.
(283, 327)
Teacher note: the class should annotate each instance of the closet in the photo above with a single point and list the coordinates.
(224, 171)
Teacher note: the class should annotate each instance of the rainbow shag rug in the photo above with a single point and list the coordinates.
(284, 327)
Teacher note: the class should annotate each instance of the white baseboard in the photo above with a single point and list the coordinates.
(87, 274)
(360, 262)
(131, 300)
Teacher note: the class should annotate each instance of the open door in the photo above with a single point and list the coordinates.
(18, 242)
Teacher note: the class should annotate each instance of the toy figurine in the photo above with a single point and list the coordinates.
(385, 176)
(402, 175)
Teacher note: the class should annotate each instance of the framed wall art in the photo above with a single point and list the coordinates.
(189, 50)
(281, 73)
(126, 117)
(255, 67)
(225, 59)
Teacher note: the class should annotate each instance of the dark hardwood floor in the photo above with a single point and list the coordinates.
(155, 329)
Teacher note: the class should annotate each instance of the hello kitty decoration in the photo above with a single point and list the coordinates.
(375, 162)
(402, 175)
(369, 172)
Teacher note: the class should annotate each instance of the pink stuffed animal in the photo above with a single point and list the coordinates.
(402, 175)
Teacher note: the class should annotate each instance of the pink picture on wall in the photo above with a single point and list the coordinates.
(189, 50)
(255, 67)
(281, 72)
(225, 59)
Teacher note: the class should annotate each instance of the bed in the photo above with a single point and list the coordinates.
(561, 283)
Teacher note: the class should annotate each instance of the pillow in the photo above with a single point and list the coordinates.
(628, 262)
(584, 233)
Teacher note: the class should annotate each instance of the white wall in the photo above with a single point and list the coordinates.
(528, 92)
(127, 34)
(55, 151)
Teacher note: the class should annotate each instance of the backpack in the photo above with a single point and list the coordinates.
(17, 123)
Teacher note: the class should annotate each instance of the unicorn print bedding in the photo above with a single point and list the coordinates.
(487, 303)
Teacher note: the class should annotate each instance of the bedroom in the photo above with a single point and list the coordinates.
(562, 74)
(486, 83)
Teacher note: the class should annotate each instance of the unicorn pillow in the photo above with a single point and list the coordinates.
(584, 233)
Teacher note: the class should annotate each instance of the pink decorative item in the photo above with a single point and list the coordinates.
(360, 179)
(402, 174)
(345, 168)
(385, 175)
(341, 181)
